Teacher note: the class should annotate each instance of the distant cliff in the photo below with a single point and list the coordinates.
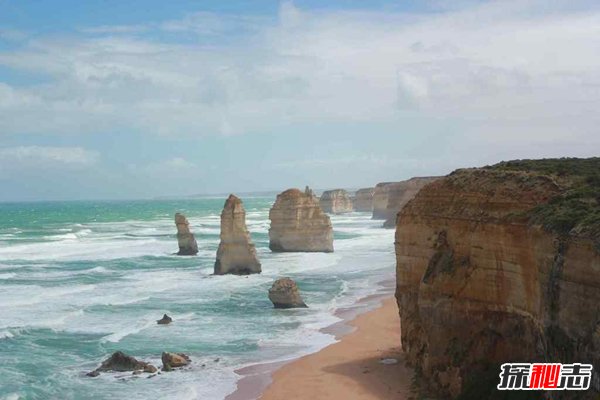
(501, 264)
(363, 199)
(336, 201)
(390, 197)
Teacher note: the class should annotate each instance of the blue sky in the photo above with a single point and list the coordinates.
(114, 99)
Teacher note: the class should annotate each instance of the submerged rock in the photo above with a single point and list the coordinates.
(285, 294)
(121, 362)
(174, 360)
(363, 200)
(336, 201)
(236, 253)
(164, 320)
(299, 224)
(185, 238)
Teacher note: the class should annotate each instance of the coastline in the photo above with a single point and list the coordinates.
(370, 325)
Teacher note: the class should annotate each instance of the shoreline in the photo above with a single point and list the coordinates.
(257, 379)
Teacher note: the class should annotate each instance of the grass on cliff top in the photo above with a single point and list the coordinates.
(577, 209)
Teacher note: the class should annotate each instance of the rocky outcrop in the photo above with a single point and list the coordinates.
(285, 294)
(236, 253)
(380, 200)
(336, 201)
(120, 362)
(400, 193)
(185, 238)
(165, 320)
(299, 224)
(363, 200)
(498, 265)
(174, 360)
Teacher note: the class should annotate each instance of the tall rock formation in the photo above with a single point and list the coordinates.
(380, 200)
(299, 224)
(501, 264)
(363, 200)
(336, 201)
(185, 238)
(236, 253)
(400, 193)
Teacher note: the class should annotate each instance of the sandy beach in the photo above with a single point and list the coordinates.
(352, 367)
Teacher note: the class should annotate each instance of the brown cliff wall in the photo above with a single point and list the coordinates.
(480, 283)
(363, 200)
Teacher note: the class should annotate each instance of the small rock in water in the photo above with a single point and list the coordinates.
(174, 360)
(389, 361)
(217, 359)
(164, 320)
(285, 294)
(121, 362)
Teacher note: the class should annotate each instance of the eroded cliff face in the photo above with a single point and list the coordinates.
(479, 284)
(336, 201)
(363, 200)
(299, 224)
(400, 193)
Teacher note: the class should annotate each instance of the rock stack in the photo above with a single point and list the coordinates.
(285, 294)
(299, 224)
(336, 201)
(363, 200)
(400, 193)
(185, 238)
(236, 253)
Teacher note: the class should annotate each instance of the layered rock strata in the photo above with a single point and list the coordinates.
(363, 200)
(496, 265)
(336, 201)
(400, 193)
(185, 238)
(299, 224)
(236, 253)
(284, 293)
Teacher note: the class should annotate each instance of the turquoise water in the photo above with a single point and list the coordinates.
(80, 280)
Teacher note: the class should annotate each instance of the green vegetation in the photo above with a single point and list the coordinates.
(577, 208)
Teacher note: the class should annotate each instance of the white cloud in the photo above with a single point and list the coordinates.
(41, 158)
(517, 67)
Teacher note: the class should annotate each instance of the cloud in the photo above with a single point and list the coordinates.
(41, 158)
(505, 70)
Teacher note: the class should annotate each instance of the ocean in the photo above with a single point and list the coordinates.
(80, 280)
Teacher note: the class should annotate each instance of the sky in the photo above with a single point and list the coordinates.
(138, 99)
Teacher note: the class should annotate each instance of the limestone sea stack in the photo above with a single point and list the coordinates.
(363, 200)
(285, 294)
(336, 201)
(185, 238)
(299, 224)
(500, 264)
(236, 253)
(400, 193)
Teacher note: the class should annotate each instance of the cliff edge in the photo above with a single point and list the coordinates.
(501, 264)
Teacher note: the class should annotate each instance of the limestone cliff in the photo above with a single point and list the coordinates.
(185, 238)
(336, 201)
(380, 200)
(400, 193)
(299, 224)
(363, 200)
(236, 253)
(500, 264)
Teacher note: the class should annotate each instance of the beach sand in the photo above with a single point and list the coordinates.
(351, 368)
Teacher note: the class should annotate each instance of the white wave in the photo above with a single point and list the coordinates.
(7, 275)
(130, 330)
